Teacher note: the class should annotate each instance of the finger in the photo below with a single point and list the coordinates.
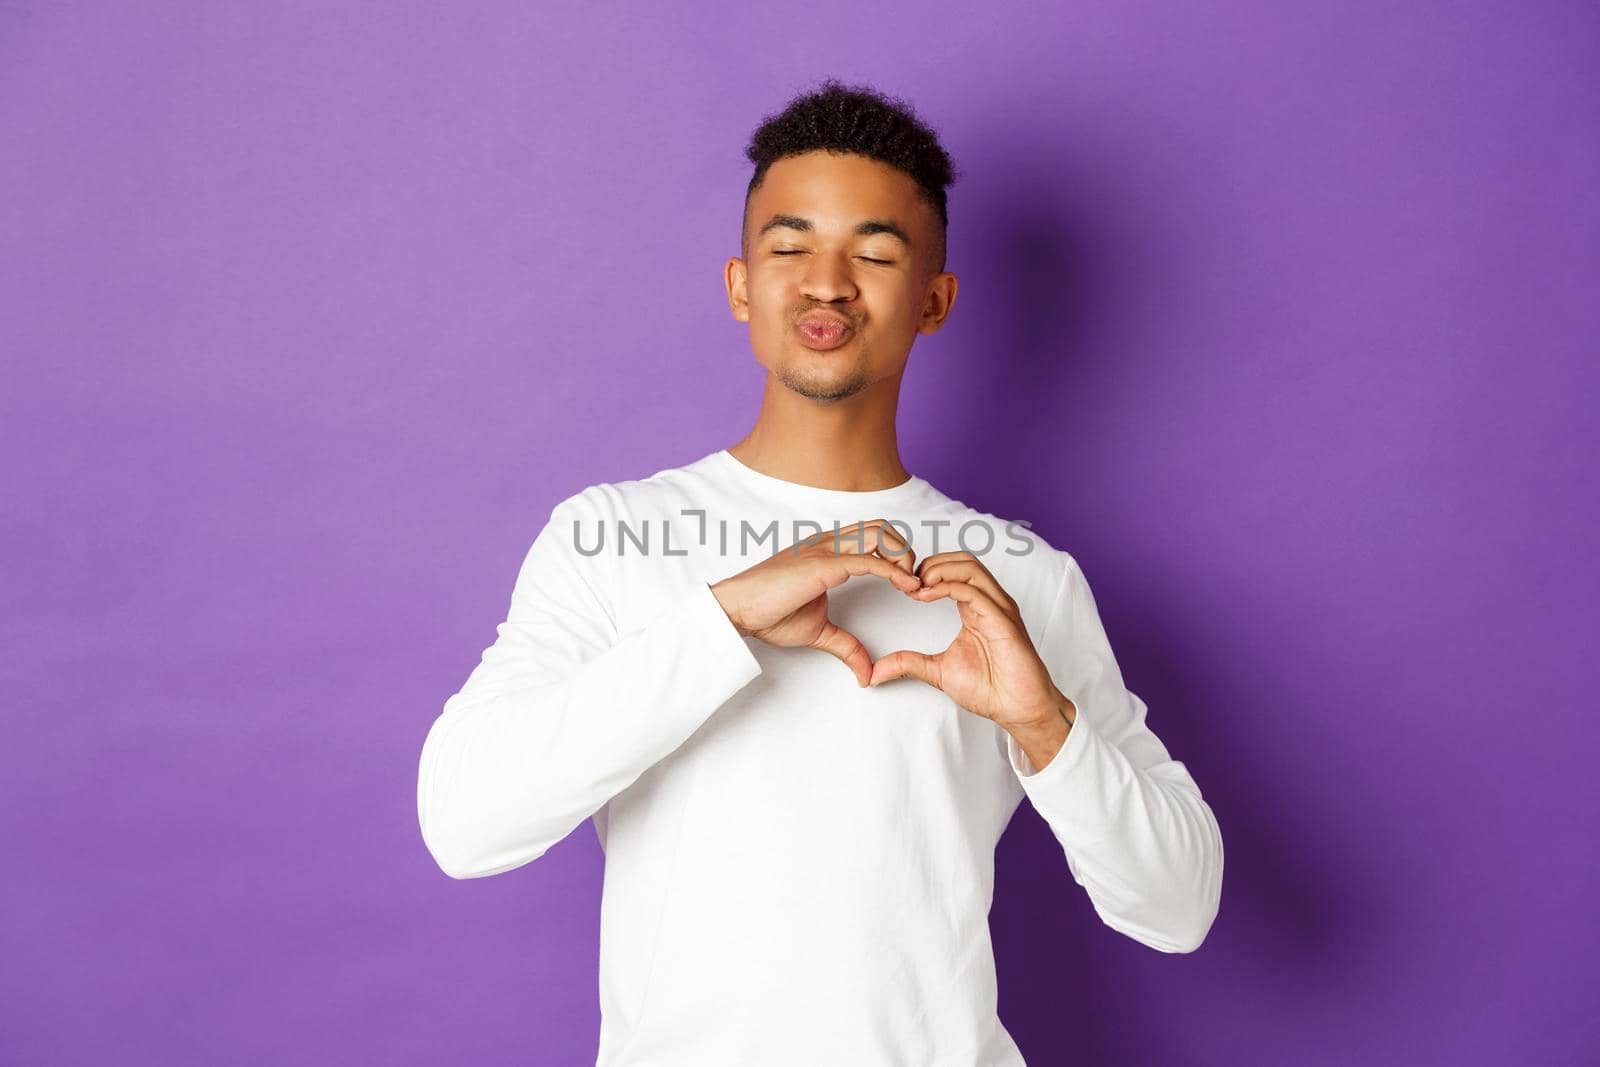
(906, 664)
(898, 549)
(876, 536)
(967, 565)
(974, 574)
(840, 568)
(946, 557)
(842, 644)
(966, 595)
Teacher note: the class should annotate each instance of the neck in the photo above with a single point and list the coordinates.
(846, 444)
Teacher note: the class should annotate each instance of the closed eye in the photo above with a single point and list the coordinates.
(797, 252)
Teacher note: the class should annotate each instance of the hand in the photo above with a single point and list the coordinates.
(991, 667)
(784, 600)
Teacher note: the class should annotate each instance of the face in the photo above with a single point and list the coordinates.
(843, 234)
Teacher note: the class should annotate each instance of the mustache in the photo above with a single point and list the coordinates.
(843, 314)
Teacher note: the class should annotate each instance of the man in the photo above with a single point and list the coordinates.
(798, 779)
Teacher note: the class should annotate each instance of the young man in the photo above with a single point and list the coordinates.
(798, 779)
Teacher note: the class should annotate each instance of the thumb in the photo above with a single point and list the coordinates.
(906, 664)
(843, 645)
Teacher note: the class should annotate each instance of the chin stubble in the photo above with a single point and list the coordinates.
(824, 389)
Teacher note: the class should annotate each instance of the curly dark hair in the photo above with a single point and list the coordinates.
(855, 118)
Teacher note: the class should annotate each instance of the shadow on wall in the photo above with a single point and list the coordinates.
(1021, 352)
(1296, 923)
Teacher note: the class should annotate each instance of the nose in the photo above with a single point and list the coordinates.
(827, 279)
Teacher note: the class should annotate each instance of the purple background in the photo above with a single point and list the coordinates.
(1283, 322)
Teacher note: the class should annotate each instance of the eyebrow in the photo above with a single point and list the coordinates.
(863, 229)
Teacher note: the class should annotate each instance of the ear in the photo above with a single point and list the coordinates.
(738, 294)
(940, 299)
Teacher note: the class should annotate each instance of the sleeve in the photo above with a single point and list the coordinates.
(1137, 835)
(562, 712)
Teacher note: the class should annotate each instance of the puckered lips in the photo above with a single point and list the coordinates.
(823, 331)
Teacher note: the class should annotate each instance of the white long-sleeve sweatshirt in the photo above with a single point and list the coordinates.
(798, 870)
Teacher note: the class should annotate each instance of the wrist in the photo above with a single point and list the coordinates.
(1042, 736)
(732, 615)
(1056, 712)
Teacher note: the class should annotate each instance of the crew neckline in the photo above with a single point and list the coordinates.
(912, 486)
